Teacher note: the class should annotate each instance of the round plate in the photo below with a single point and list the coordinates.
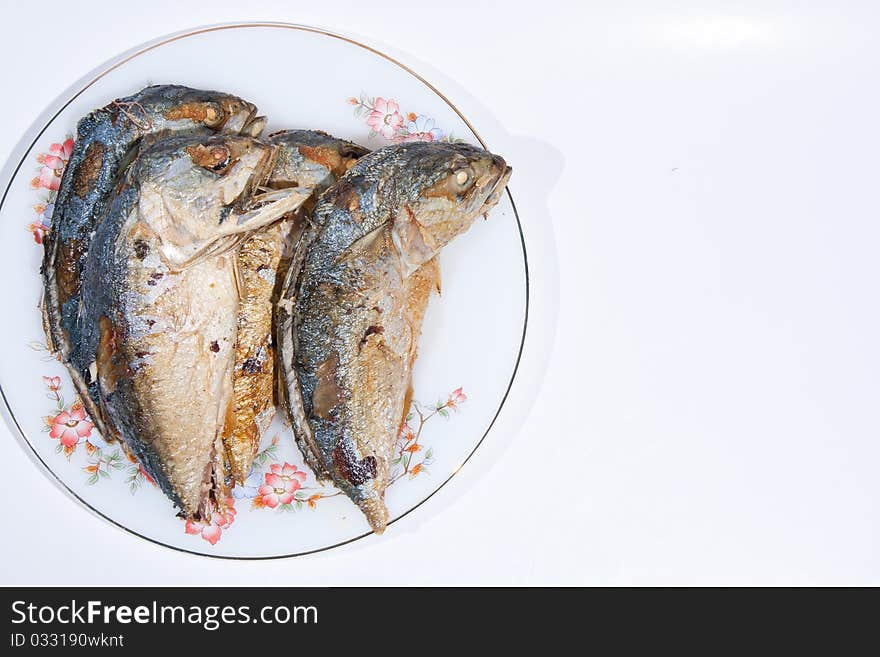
(300, 78)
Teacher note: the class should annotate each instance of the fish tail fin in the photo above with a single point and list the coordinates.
(376, 512)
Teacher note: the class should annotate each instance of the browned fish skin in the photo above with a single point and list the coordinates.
(107, 139)
(306, 159)
(350, 315)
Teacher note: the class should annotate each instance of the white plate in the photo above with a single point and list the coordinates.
(300, 78)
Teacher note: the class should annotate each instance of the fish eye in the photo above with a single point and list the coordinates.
(462, 179)
(219, 158)
(213, 114)
(216, 158)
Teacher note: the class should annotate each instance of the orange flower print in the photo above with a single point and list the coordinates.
(406, 433)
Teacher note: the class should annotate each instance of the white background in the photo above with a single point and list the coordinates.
(697, 402)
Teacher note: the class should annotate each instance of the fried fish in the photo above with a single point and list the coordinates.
(350, 313)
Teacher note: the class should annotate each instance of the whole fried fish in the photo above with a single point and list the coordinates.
(107, 140)
(351, 310)
(161, 301)
(310, 160)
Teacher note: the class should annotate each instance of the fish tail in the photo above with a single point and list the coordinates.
(376, 512)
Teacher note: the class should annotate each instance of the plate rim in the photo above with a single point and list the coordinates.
(118, 61)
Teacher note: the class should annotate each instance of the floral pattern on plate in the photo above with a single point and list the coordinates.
(47, 180)
(386, 120)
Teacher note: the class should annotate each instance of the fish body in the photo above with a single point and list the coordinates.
(310, 160)
(161, 302)
(107, 141)
(350, 314)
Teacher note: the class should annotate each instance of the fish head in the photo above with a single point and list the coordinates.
(175, 105)
(203, 192)
(311, 158)
(443, 189)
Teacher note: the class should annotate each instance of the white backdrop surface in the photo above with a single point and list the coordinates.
(697, 398)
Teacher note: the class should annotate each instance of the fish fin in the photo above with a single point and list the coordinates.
(362, 243)
(407, 400)
(376, 512)
(265, 208)
(432, 271)
(410, 241)
(210, 250)
(420, 284)
(238, 278)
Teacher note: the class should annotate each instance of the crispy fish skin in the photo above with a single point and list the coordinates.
(161, 301)
(254, 376)
(307, 159)
(107, 140)
(350, 314)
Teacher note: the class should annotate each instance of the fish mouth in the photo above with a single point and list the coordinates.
(254, 126)
(497, 190)
(245, 122)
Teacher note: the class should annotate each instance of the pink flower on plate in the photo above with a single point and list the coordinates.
(57, 156)
(48, 179)
(281, 485)
(53, 165)
(212, 530)
(456, 398)
(225, 516)
(70, 426)
(38, 230)
(53, 383)
(385, 117)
